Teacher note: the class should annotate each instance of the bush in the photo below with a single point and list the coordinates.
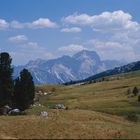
(139, 98)
(135, 91)
(67, 108)
(132, 116)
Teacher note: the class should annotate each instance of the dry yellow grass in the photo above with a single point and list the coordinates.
(77, 124)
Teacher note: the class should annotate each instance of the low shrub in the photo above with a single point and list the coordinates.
(132, 116)
(139, 98)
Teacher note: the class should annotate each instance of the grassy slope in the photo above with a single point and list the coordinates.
(95, 111)
(108, 96)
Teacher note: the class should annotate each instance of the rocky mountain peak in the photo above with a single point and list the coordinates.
(66, 68)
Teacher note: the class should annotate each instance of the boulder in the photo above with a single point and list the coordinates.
(15, 111)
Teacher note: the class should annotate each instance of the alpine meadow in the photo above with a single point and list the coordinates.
(69, 69)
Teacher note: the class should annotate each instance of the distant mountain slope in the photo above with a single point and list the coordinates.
(119, 70)
(63, 69)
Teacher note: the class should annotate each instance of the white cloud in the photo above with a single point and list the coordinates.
(109, 49)
(18, 38)
(71, 49)
(39, 23)
(30, 51)
(30, 46)
(71, 30)
(82, 19)
(43, 23)
(17, 25)
(22, 58)
(3, 24)
(36, 50)
(118, 35)
(116, 20)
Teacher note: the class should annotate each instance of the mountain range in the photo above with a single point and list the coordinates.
(131, 67)
(66, 68)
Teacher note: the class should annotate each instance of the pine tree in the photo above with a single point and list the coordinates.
(24, 90)
(135, 91)
(6, 82)
(16, 97)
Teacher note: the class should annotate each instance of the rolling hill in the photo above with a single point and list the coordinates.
(134, 66)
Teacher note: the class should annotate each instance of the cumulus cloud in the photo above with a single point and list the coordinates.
(17, 25)
(118, 35)
(42, 23)
(30, 51)
(81, 19)
(36, 50)
(39, 23)
(71, 30)
(71, 49)
(114, 50)
(3, 24)
(18, 38)
(116, 20)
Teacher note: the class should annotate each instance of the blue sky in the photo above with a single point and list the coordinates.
(31, 29)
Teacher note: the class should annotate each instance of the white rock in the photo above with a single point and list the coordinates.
(44, 114)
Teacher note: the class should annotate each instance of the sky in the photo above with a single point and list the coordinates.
(47, 29)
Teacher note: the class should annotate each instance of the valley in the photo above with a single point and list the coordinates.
(98, 110)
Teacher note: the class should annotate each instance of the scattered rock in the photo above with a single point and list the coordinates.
(15, 111)
(59, 106)
(37, 104)
(4, 110)
(45, 93)
(44, 114)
